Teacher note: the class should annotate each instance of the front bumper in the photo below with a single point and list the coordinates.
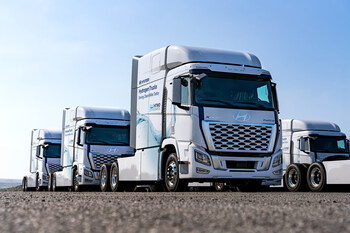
(218, 170)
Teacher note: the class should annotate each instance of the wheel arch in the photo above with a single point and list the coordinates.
(169, 146)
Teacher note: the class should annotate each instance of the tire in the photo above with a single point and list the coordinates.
(316, 177)
(114, 178)
(105, 172)
(49, 185)
(76, 186)
(219, 187)
(37, 186)
(295, 177)
(172, 182)
(24, 185)
(54, 186)
(249, 186)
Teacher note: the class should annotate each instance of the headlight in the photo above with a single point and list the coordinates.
(277, 161)
(277, 172)
(88, 173)
(202, 158)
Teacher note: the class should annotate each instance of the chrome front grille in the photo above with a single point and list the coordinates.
(53, 167)
(230, 137)
(99, 159)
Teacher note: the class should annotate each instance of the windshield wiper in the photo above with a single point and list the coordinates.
(219, 101)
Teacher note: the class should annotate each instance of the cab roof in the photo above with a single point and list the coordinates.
(302, 125)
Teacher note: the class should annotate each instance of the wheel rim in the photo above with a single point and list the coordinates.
(103, 177)
(172, 174)
(293, 178)
(114, 178)
(219, 186)
(315, 177)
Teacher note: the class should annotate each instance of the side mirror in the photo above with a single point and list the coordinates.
(177, 91)
(305, 145)
(38, 148)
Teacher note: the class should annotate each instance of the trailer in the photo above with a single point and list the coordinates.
(201, 115)
(314, 154)
(91, 137)
(44, 154)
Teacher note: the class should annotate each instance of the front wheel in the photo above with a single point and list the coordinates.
(172, 180)
(219, 187)
(37, 183)
(76, 185)
(294, 177)
(104, 177)
(49, 186)
(316, 177)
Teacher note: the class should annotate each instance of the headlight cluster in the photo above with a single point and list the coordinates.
(88, 173)
(202, 158)
(277, 161)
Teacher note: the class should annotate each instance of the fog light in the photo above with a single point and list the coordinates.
(277, 161)
(202, 170)
(88, 173)
(277, 172)
(202, 158)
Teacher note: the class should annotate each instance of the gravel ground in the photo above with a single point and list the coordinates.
(174, 212)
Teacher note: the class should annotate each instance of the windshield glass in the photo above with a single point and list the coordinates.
(234, 91)
(329, 145)
(52, 151)
(99, 135)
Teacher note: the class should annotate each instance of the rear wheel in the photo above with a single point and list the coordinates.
(114, 178)
(105, 172)
(316, 177)
(294, 177)
(172, 181)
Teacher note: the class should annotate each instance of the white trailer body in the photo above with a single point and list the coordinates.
(217, 110)
(308, 142)
(91, 136)
(44, 153)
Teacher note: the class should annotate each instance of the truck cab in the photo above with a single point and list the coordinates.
(44, 154)
(202, 115)
(306, 142)
(91, 137)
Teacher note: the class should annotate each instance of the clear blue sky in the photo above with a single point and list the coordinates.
(56, 54)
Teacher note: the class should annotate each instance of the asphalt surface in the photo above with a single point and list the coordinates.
(174, 212)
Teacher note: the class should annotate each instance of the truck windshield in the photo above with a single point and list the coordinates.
(52, 151)
(100, 135)
(234, 91)
(329, 145)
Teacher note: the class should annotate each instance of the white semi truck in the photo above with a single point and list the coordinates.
(90, 137)
(310, 151)
(201, 115)
(44, 154)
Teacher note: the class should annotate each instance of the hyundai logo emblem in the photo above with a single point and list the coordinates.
(241, 116)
